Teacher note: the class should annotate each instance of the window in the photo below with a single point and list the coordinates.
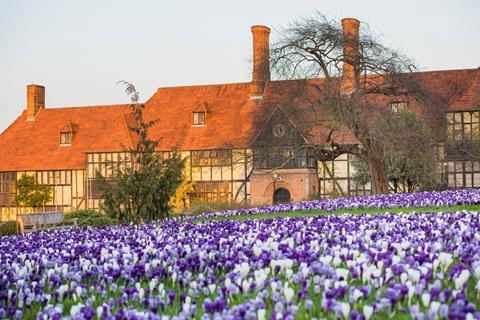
(212, 158)
(8, 182)
(397, 106)
(463, 125)
(218, 191)
(65, 138)
(462, 174)
(199, 118)
(54, 178)
(336, 178)
(282, 157)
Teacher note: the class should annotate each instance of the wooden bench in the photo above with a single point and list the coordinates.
(44, 221)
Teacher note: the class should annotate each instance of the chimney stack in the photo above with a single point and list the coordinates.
(350, 52)
(35, 100)
(261, 61)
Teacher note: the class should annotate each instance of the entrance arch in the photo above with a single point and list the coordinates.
(281, 195)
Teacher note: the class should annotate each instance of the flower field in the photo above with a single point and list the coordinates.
(382, 201)
(421, 266)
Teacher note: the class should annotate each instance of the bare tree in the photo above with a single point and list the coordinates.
(359, 76)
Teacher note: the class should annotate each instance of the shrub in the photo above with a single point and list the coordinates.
(90, 218)
(8, 228)
(141, 191)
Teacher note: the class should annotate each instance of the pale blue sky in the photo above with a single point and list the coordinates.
(79, 49)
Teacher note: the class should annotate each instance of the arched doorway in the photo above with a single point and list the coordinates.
(281, 195)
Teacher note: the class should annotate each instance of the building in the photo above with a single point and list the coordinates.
(221, 130)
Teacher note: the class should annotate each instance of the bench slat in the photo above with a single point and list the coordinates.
(44, 221)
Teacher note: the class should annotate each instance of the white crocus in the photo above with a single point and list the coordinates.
(246, 285)
(342, 273)
(396, 259)
(326, 284)
(289, 273)
(78, 293)
(257, 251)
(435, 265)
(435, 306)
(411, 292)
(357, 294)
(326, 260)
(445, 260)
(477, 272)
(367, 311)
(462, 279)
(186, 304)
(305, 272)
(76, 309)
(336, 261)
(273, 285)
(153, 284)
(193, 284)
(261, 313)
(99, 312)
(242, 268)
(212, 287)
(426, 299)
(345, 307)
(288, 292)
(414, 275)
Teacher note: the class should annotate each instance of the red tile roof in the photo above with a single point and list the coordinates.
(35, 145)
(469, 97)
(232, 120)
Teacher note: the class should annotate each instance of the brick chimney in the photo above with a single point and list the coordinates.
(261, 61)
(350, 52)
(35, 100)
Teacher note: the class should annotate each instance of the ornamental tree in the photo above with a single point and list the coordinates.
(32, 194)
(359, 75)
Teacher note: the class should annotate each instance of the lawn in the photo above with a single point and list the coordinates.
(466, 207)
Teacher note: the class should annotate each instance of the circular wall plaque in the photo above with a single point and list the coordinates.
(279, 130)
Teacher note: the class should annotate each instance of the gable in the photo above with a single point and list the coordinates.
(279, 130)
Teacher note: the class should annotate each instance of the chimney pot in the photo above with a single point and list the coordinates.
(261, 60)
(35, 100)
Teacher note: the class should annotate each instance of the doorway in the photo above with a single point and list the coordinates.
(281, 195)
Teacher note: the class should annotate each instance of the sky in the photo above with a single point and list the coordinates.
(79, 50)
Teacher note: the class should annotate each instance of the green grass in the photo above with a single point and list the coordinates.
(293, 214)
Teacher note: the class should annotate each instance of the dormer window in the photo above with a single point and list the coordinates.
(66, 134)
(65, 138)
(398, 106)
(198, 118)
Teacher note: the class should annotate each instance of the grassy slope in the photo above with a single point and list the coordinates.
(344, 211)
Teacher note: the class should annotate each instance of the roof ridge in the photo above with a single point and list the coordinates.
(92, 106)
(204, 85)
(447, 70)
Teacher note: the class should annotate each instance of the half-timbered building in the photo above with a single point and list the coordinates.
(223, 131)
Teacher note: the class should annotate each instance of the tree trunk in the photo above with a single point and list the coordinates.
(379, 176)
